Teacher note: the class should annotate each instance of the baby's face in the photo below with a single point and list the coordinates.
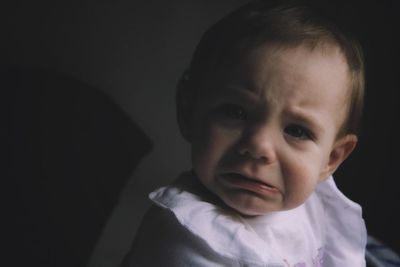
(265, 132)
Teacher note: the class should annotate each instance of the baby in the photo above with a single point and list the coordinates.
(270, 106)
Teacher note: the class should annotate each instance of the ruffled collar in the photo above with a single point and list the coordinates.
(257, 241)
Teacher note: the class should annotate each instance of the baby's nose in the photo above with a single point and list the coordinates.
(259, 144)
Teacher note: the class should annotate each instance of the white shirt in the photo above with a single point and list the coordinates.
(327, 230)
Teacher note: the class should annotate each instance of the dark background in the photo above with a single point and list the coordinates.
(87, 90)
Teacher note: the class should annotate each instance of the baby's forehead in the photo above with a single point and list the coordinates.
(297, 67)
(246, 64)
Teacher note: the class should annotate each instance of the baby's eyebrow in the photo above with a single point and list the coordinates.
(241, 91)
(307, 118)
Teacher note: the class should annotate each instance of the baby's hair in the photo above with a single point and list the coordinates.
(284, 23)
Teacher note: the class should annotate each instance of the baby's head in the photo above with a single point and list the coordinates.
(270, 105)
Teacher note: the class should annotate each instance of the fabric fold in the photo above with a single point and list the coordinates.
(327, 230)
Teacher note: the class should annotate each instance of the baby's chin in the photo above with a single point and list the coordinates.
(253, 206)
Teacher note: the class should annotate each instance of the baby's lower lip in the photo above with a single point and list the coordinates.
(241, 182)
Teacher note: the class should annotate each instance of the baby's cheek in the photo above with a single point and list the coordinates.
(220, 139)
(300, 182)
(209, 148)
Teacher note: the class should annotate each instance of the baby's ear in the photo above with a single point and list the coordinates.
(184, 105)
(340, 151)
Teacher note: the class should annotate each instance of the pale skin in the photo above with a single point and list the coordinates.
(266, 132)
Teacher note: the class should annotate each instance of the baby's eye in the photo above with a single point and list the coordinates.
(298, 132)
(232, 112)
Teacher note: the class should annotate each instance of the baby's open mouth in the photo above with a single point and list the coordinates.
(239, 181)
